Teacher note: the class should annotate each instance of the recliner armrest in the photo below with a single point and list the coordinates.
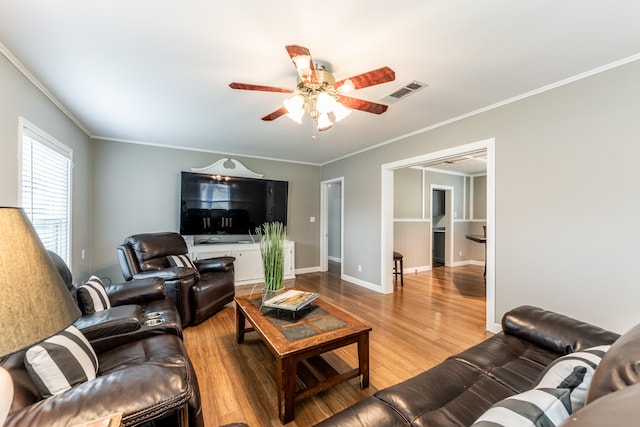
(137, 291)
(113, 321)
(207, 265)
(172, 273)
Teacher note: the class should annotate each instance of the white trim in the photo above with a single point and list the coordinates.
(219, 168)
(199, 150)
(411, 220)
(306, 270)
(28, 129)
(25, 72)
(445, 172)
(418, 269)
(334, 259)
(386, 201)
(577, 77)
(362, 283)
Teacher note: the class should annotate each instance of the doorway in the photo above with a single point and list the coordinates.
(386, 199)
(442, 230)
(331, 220)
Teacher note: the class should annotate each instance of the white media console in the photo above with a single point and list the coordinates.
(248, 265)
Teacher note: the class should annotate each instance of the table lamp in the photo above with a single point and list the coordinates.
(34, 301)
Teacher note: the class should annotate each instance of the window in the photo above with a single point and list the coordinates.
(45, 180)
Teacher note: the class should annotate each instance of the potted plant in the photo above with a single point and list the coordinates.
(272, 236)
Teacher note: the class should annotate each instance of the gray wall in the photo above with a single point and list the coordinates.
(137, 190)
(20, 98)
(553, 247)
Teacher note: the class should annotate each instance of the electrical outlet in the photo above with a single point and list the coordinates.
(83, 254)
(359, 268)
(460, 254)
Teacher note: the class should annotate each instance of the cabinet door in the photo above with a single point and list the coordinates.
(289, 255)
(248, 264)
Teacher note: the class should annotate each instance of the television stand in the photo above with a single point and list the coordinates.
(248, 265)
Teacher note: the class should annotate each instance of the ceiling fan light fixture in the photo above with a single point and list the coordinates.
(294, 108)
(340, 111)
(323, 122)
(325, 103)
(346, 87)
(303, 65)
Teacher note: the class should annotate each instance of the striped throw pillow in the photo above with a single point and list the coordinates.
(539, 407)
(92, 297)
(573, 371)
(60, 362)
(181, 261)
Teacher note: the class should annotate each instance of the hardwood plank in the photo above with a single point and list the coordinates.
(436, 314)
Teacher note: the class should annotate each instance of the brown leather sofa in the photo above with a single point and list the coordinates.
(139, 309)
(464, 386)
(197, 293)
(150, 381)
(144, 371)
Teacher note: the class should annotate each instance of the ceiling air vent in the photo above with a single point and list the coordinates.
(403, 92)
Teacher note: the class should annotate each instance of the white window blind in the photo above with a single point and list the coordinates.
(46, 189)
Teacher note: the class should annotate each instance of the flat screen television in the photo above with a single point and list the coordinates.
(229, 205)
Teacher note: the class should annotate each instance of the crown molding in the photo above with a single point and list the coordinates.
(25, 72)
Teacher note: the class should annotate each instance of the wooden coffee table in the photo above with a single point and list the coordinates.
(297, 341)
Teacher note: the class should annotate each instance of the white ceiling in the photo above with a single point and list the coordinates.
(157, 71)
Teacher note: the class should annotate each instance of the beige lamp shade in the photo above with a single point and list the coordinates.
(34, 301)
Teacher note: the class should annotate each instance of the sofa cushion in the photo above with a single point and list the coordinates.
(541, 407)
(451, 393)
(620, 366)
(61, 361)
(512, 361)
(573, 371)
(92, 297)
(369, 412)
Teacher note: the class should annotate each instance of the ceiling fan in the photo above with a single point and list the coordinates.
(319, 95)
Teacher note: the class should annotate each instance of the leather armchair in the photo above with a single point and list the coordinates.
(197, 293)
(139, 309)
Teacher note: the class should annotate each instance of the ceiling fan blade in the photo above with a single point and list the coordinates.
(246, 86)
(359, 104)
(278, 113)
(371, 78)
(301, 58)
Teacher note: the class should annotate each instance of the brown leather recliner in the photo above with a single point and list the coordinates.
(197, 293)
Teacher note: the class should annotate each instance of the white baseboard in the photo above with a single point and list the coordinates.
(416, 269)
(362, 283)
(306, 270)
(467, 262)
(334, 259)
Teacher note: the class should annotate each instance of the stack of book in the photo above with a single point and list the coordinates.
(292, 300)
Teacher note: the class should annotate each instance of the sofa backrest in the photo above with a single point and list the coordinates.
(554, 331)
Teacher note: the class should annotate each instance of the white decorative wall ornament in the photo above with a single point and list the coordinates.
(228, 167)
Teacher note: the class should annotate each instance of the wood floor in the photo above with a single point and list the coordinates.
(435, 314)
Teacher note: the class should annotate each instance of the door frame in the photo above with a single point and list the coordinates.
(324, 223)
(386, 204)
